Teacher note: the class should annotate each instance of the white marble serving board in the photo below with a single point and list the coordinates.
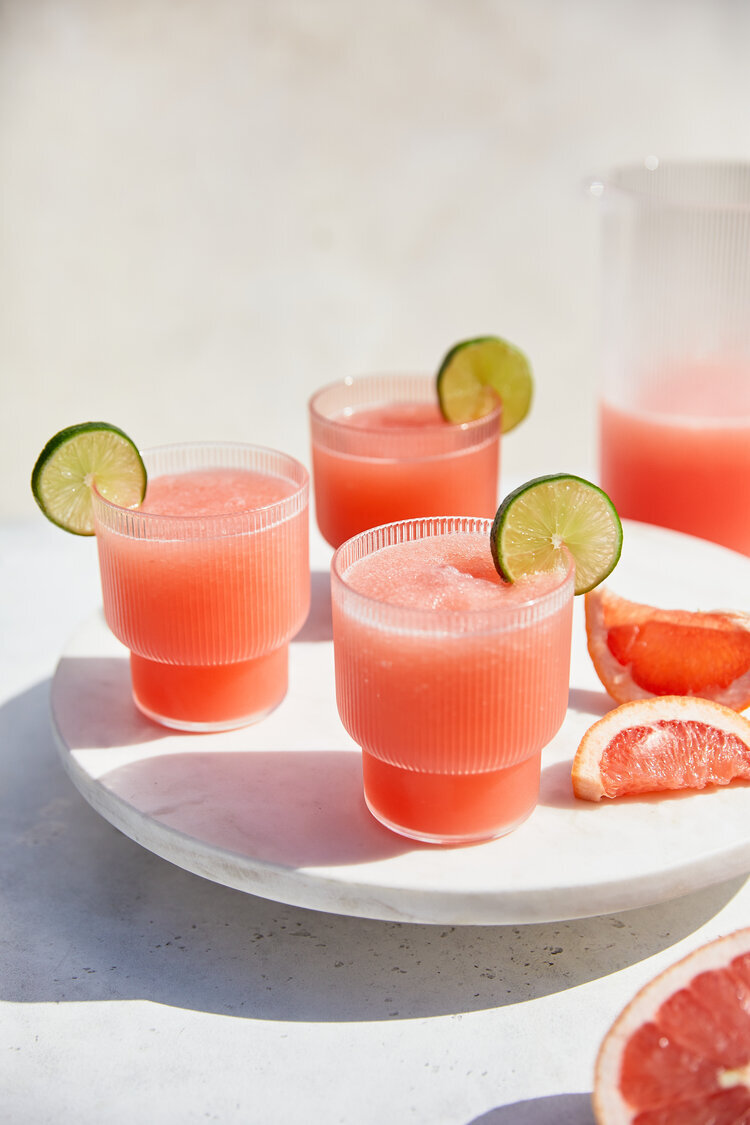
(276, 809)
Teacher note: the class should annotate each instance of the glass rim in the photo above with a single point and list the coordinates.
(602, 186)
(181, 520)
(496, 615)
(373, 377)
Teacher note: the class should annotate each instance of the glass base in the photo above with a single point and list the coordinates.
(210, 697)
(437, 808)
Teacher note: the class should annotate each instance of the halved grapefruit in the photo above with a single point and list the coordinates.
(652, 745)
(640, 651)
(679, 1053)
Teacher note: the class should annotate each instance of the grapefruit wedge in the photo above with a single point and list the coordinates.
(640, 652)
(653, 745)
(679, 1053)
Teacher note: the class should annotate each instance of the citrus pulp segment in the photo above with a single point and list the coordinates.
(537, 523)
(653, 745)
(639, 651)
(475, 372)
(679, 1053)
(76, 459)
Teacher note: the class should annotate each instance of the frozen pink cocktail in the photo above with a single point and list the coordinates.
(450, 680)
(207, 581)
(382, 451)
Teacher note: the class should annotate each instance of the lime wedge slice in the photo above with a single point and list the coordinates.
(537, 522)
(475, 371)
(73, 460)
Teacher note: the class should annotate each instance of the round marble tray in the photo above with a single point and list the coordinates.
(276, 809)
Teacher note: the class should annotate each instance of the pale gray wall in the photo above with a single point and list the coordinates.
(210, 207)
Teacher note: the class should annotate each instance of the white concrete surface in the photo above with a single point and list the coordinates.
(209, 209)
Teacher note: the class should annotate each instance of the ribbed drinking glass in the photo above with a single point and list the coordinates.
(208, 589)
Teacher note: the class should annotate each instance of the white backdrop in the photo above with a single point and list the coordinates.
(209, 209)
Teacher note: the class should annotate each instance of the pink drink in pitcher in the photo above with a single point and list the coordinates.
(680, 457)
(674, 434)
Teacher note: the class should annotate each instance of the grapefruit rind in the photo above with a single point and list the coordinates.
(603, 609)
(610, 1107)
(589, 783)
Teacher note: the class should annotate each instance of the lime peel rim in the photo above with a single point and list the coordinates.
(594, 577)
(74, 516)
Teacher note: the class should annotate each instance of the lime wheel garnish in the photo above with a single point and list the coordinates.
(76, 459)
(542, 520)
(476, 372)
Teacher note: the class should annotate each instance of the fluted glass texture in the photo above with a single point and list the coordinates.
(674, 431)
(675, 270)
(207, 590)
(444, 691)
(352, 394)
(382, 452)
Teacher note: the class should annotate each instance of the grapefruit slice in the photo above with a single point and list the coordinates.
(652, 745)
(679, 1053)
(640, 651)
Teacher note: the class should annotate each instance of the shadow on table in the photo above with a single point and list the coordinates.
(594, 703)
(291, 808)
(90, 915)
(319, 624)
(557, 1109)
(251, 793)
